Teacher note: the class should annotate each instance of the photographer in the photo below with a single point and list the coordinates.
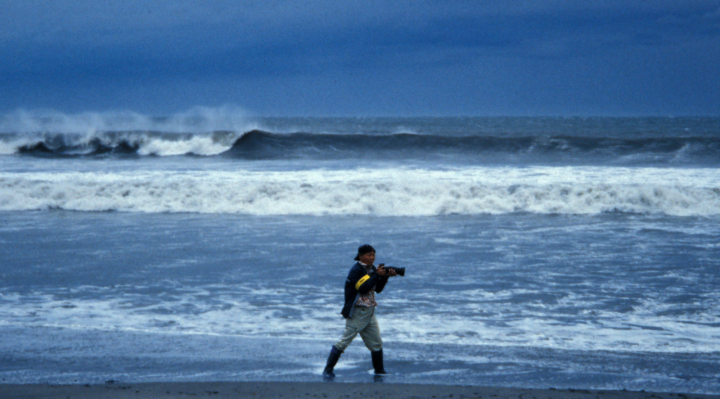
(362, 283)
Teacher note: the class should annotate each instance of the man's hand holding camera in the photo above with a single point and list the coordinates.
(390, 272)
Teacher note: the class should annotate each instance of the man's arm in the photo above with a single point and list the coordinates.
(363, 282)
(381, 284)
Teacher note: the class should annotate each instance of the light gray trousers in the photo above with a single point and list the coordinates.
(364, 323)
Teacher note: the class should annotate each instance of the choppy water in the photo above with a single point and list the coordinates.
(576, 253)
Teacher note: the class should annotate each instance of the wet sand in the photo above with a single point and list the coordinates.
(289, 390)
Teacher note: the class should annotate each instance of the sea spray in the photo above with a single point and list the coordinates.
(193, 120)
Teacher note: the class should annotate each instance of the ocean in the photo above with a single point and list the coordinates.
(211, 245)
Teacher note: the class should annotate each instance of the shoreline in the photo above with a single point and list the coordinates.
(289, 390)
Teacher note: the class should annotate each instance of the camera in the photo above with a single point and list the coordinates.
(400, 271)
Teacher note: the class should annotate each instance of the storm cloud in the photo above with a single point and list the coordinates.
(364, 58)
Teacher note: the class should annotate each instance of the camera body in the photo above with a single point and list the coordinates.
(400, 271)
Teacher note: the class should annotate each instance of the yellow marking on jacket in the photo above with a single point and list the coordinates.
(361, 281)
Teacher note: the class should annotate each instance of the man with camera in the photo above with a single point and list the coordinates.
(363, 282)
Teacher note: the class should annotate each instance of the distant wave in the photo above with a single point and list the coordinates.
(264, 145)
(387, 192)
(199, 131)
(257, 145)
(139, 143)
(227, 132)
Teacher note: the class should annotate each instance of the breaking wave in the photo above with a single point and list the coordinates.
(230, 133)
(384, 192)
(261, 145)
(199, 131)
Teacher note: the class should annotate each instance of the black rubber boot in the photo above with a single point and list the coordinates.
(331, 362)
(377, 360)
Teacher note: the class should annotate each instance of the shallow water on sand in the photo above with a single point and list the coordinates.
(608, 301)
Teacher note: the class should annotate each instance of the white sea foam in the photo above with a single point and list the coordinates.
(10, 147)
(198, 145)
(384, 192)
(265, 314)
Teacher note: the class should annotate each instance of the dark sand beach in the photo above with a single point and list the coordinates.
(310, 390)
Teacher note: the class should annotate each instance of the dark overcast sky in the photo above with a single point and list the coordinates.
(363, 58)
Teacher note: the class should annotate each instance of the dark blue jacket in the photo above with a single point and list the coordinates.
(360, 282)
